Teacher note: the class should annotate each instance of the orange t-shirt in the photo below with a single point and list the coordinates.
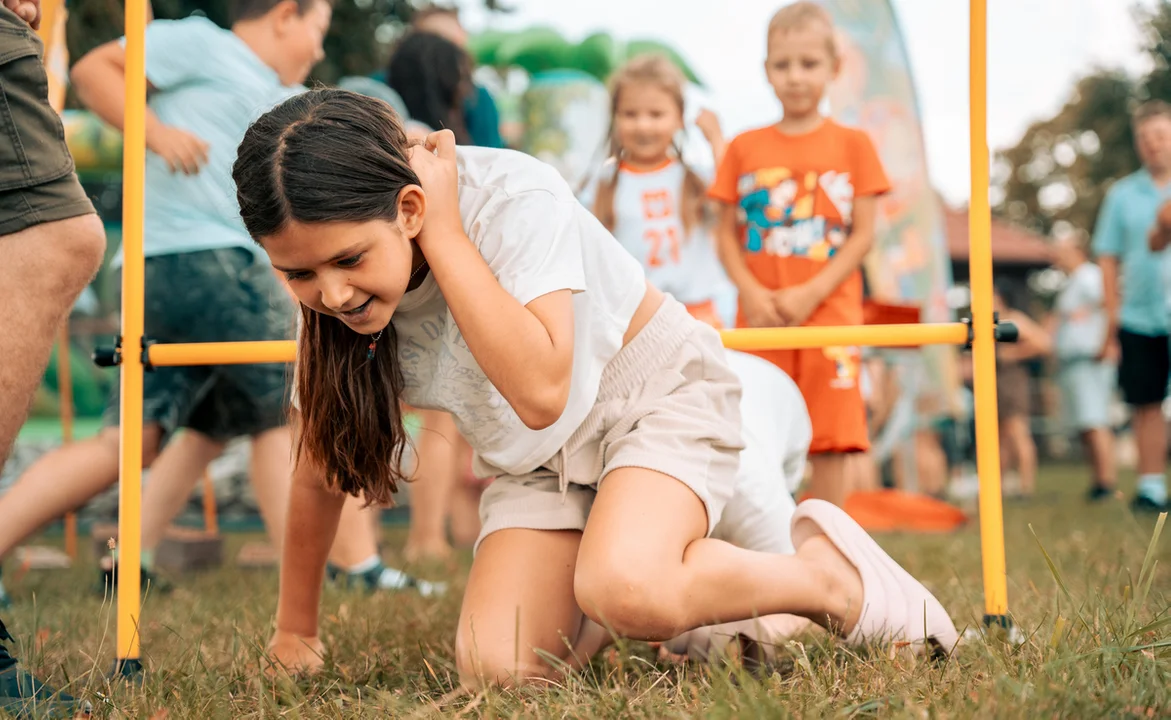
(795, 195)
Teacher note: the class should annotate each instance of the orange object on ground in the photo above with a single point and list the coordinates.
(898, 511)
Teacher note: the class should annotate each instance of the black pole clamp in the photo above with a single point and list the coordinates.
(105, 356)
(146, 343)
(1002, 332)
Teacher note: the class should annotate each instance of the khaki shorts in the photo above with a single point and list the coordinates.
(37, 183)
(667, 402)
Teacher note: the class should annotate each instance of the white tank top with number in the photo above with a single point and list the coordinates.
(648, 222)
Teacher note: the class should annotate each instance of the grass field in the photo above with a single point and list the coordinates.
(1097, 642)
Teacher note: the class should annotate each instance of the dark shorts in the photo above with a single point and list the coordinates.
(1013, 390)
(37, 182)
(1144, 368)
(225, 295)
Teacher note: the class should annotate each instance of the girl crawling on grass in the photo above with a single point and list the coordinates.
(471, 281)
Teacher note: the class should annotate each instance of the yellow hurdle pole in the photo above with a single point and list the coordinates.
(285, 351)
(65, 398)
(130, 479)
(848, 335)
(222, 353)
(984, 338)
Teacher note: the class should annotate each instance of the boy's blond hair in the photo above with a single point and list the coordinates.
(801, 15)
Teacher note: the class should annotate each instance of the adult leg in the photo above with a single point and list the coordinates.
(1007, 456)
(1020, 436)
(1142, 372)
(51, 245)
(1150, 433)
(1100, 447)
(44, 269)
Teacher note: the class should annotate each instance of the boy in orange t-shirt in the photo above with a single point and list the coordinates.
(799, 204)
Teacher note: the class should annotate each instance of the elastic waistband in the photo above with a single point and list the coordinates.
(648, 351)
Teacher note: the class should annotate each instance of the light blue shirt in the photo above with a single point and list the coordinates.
(208, 82)
(1127, 215)
(1081, 329)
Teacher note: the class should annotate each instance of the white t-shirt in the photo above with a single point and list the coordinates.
(1081, 313)
(777, 433)
(648, 222)
(537, 239)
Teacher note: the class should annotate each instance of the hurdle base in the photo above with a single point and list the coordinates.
(1001, 628)
(182, 549)
(42, 557)
(185, 549)
(129, 670)
(257, 556)
(1001, 621)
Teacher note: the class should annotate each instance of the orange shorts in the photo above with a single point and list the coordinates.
(706, 312)
(829, 381)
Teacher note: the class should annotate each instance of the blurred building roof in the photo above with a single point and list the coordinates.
(1011, 244)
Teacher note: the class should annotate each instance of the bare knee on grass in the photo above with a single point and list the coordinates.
(483, 664)
(631, 600)
(519, 622)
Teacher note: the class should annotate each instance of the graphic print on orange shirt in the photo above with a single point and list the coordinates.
(795, 214)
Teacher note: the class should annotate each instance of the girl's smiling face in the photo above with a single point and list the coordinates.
(357, 272)
(646, 118)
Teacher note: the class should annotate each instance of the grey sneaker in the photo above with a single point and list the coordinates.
(24, 696)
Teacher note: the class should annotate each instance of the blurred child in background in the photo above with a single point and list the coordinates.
(800, 203)
(645, 194)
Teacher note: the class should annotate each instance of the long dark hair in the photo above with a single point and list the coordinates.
(334, 156)
(433, 76)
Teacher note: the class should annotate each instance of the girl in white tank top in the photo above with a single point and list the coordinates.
(645, 194)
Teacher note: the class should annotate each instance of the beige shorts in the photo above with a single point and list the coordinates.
(667, 402)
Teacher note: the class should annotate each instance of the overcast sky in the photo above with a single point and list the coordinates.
(1037, 48)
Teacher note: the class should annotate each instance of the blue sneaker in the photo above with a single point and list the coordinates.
(5, 601)
(1144, 504)
(25, 697)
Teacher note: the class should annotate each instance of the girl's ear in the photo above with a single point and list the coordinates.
(412, 206)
